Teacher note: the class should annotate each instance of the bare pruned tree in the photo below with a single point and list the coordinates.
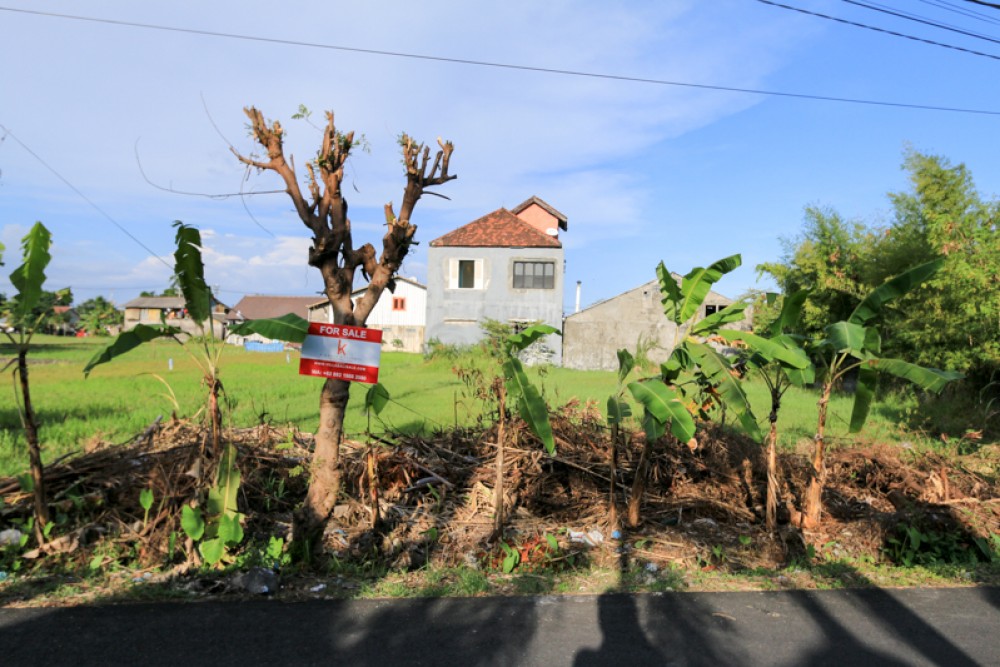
(324, 212)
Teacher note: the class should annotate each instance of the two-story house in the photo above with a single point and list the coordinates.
(506, 266)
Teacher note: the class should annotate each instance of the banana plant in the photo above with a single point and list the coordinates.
(693, 364)
(515, 387)
(205, 350)
(618, 411)
(851, 345)
(779, 359)
(28, 279)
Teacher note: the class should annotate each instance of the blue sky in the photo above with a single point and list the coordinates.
(644, 172)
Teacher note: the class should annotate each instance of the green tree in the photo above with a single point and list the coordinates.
(832, 258)
(97, 314)
(955, 322)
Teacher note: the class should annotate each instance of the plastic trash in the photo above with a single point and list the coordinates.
(259, 581)
(591, 539)
(10, 537)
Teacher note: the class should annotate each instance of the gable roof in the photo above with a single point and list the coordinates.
(162, 302)
(548, 208)
(258, 306)
(499, 229)
(653, 285)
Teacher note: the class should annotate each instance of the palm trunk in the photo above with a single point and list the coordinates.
(34, 450)
(817, 479)
(216, 414)
(639, 485)
(324, 481)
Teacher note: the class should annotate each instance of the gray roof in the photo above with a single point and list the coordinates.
(259, 306)
(161, 302)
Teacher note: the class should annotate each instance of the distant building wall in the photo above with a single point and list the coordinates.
(592, 337)
(454, 313)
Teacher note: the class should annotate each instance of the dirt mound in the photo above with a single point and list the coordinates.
(703, 506)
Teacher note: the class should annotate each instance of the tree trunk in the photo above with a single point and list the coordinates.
(639, 485)
(34, 450)
(324, 470)
(216, 414)
(817, 478)
(772, 476)
(373, 487)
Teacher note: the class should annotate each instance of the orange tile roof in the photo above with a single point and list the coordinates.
(499, 229)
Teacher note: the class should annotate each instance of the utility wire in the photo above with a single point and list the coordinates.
(952, 7)
(917, 19)
(529, 68)
(984, 4)
(72, 187)
(881, 30)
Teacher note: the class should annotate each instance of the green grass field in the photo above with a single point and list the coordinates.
(122, 397)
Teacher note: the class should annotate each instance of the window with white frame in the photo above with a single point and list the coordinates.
(465, 274)
(534, 275)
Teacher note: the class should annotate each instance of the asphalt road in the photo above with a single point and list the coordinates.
(953, 627)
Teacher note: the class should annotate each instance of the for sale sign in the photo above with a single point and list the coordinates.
(341, 352)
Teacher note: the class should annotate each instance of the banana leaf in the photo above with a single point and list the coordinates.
(892, 289)
(731, 313)
(626, 362)
(791, 311)
(291, 328)
(846, 337)
(793, 356)
(718, 371)
(697, 283)
(530, 403)
(190, 272)
(929, 379)
(618, 410)
(30, 276)
(864, 394)
(522, 340)
(663, 404)
(127, 341)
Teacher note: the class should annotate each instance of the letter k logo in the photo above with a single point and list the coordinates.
(341, 347)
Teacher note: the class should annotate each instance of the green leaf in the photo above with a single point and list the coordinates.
(846, 337)
(551, 541)
(524, 339)
(626, 362)
(718, 371)
(731, 313)
(791, 311)
(146, 499)
(30, 276)
(291, 328)
(678, 362)
(26, 482)
(696, 285)
(652, 427)
(212, 550)
(671, 292)
(618, 410)
(929, 379)
(230, 530)
(222, 496)
(892, 289)
(663, 404)
(192, 522)
(376, 398)
(129, 340)
(190, 272)
(530, 403)
(864, 394)
(771, 349)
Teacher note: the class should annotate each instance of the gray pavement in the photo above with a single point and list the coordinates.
(954, 627)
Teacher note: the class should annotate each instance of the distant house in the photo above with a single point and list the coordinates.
(506, 266)
(261, 307)
(400, 314)
(66, 322)
(593, 336)
(171, 310)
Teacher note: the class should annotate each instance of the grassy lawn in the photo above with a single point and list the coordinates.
(121, 398)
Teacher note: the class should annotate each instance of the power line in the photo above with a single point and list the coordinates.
(529, 68)
(72, 187)
(912, 17)
(881, 30)
(952, 7)
(984, 4)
